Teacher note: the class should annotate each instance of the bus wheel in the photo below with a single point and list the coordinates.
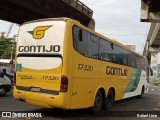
(97, 102)
(108, 100)
(2, 92)
(142, 92)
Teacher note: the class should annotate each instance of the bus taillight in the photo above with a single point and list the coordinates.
(64, 84)
(14, 78)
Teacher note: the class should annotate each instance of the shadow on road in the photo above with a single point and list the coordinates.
(59, 113)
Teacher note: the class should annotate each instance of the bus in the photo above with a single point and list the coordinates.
(62, 64)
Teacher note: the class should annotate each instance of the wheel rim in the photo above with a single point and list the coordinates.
(98, 102)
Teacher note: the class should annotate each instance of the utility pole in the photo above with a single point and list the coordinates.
(9, 30)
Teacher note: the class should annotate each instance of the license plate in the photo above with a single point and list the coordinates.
(35, 89)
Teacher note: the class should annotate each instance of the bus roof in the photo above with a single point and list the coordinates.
(46, 19)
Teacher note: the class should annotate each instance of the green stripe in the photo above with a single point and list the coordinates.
(134, 81)
(31, 32)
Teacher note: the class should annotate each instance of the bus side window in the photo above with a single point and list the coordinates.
(132, 60)
(80, 40)
(105, 51)
(93, 46)
(125, 57)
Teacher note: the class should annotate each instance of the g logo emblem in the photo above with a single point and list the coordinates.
(39, 32)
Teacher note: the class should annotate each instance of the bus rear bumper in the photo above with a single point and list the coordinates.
(40, 99)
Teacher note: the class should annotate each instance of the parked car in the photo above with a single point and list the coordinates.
(5, 84)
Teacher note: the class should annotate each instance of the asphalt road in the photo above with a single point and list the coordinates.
(121, 110)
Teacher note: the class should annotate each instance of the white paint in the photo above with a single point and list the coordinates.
(53, 36)
(142, 82)
(39, 63)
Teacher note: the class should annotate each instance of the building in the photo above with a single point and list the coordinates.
(132, 47)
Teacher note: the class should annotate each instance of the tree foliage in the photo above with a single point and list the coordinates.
(6, 48)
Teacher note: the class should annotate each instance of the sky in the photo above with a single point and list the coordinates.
(120, 20)
(115, 19)
(4, 27)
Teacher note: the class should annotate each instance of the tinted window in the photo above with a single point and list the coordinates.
(93, 46)
(125, 55)
(139, 62)
(117, 54)
(105, 50)
(85, 43)
(90, 45)
(80, 40)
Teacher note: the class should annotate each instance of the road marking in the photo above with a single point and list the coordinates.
(152, 89)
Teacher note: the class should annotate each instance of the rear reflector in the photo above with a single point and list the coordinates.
(64, 84)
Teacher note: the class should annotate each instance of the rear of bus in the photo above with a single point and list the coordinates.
(39, 61)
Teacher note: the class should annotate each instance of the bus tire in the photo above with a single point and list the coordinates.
(2, 91)
(142, 92)
(97, 102)
(109, 99)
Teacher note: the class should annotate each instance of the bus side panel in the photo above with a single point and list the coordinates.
(81, 95)
(97, 79)
(67, 69)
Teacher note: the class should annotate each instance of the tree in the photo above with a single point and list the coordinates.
(6, 48)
